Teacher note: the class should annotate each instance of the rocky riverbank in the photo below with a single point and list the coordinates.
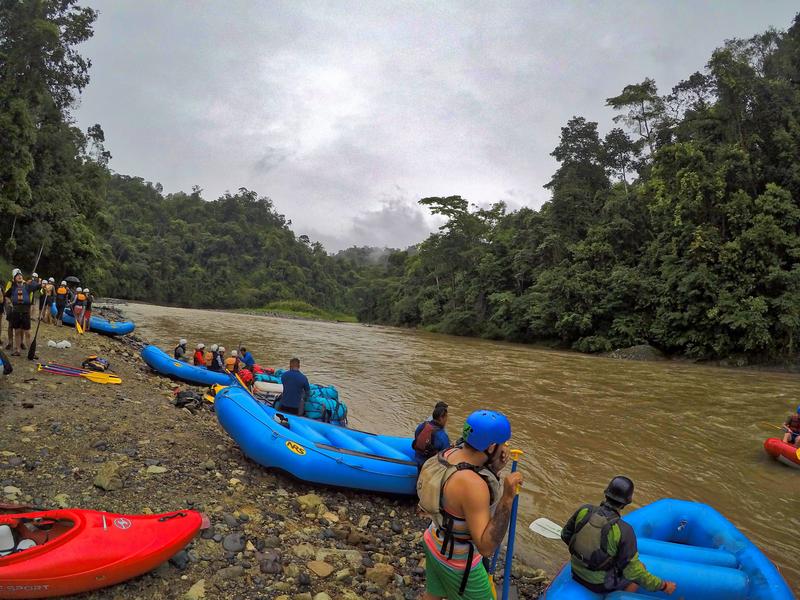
(68, 442)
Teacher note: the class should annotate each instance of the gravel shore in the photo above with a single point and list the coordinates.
(68, 442)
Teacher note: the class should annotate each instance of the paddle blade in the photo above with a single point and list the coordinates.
(78, 327)
(546, 528)
(32, 350)
(101, 377)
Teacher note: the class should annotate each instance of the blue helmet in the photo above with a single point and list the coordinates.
(798, 410)
(486, 427)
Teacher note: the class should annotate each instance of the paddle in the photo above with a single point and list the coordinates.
(32, 349)
(94, 376)
(546, 528)
(781, 427)
(512, 530)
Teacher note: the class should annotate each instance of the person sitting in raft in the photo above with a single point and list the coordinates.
(792, 426)
(605, 558)
(199, 358)
(469, 507)
(246, 358)
(430, 438)
(180, 350)
(232, 362)
(295, 390)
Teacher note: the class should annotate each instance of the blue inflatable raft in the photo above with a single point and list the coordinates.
(160, 361)
(315, 451)
(696, 547)
(97, 324)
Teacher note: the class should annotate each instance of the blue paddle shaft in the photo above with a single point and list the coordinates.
(493, 566)
(512, 529)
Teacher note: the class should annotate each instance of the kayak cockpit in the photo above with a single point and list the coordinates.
(20, 534)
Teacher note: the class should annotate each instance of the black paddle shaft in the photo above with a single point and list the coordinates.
(32, 349)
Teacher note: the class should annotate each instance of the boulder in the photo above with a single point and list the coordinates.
(320, 568)
(107, 477)
(381, 574)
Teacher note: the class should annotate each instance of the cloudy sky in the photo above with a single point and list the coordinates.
(346, 113)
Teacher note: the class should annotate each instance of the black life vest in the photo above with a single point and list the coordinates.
(589, 543)
(423, 442)
(794, 423)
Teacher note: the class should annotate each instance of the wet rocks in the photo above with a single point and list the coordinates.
(233, 542)
(108, 477)
(181, 560)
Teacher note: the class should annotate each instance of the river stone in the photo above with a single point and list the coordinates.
(381, 574)
(197, 591)
(231, 572)
(302, 596)
(10, 490)
(351, 556)
(320, 568)
(156, 470)
(308, 502)
(305, 551)
(107, 477)
(322, 596)
(61, 500)
(363, 521)
(271, 564)
(233, 542)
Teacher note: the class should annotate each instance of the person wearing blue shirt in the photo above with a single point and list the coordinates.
(246, 358)
(295, 389)
(430, 438)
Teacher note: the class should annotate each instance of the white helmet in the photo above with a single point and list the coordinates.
(63, 283)
(35, 275)
(52, 280)
(234, 353)
(200, 346)
(214, 347)
(79, 290)
(182, 341)
(86, 290)
(222, 349)
(16, 272)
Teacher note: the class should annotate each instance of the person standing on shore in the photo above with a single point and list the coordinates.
(296, 389)
(87, 310)
(430, 438)
(469, 507)
(180, 350)
(605, 558)
(61, 298)
(20, 294)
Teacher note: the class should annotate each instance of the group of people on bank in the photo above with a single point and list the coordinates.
(242, 363)
(459, 486)
(26, 298)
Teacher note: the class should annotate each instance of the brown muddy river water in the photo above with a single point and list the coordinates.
(677, 430)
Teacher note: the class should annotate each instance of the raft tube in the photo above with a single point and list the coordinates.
(73, 551)
(696, 547)
(163, 363)
(97, 324)
(314, 451)
(783, 452)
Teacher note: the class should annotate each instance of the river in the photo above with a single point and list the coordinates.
(677, 429)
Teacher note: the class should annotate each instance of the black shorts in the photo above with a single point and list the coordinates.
(41, 302)
(21, 319)
(60, 309)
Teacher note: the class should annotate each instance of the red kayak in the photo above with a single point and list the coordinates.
(62, 552)
(785, 453)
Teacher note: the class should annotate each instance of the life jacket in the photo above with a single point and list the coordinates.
(80, 299)
(61, 294)
(179, 351)
(230, 364)
(794, 423)
(20, 295)
(208, 356)
(430, 490)
(199, 358)
(95, 363)
(423, 443)
(589, 543)
(246, 376)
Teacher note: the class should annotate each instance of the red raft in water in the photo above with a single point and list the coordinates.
(62, 552)
(785, 453)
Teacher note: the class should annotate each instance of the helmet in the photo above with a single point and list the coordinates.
(200, 346)
(620, 490)
(16, 272)
(214, 347)
(222, 349)
(80, 289)
(86, 290)
(234, 353)
(486, 427)
(63, 283)
(52, 280)
(35, 275)
(182, 342)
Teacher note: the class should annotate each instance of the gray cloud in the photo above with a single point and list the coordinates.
(328, 108)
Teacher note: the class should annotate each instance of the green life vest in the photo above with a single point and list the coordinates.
(589, 543)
